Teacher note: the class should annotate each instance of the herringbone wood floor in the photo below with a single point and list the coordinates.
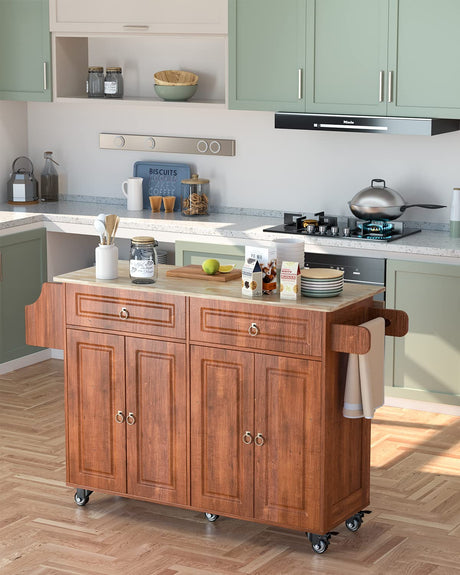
(414, 528)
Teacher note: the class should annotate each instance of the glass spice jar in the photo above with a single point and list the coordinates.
(143, 260)
(95, 82)
(113, 83)
(195, 196)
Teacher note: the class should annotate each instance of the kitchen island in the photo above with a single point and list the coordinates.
(185, 393)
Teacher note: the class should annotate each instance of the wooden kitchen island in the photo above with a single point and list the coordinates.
(185, 393)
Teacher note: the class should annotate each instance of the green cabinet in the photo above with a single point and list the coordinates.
(196, 252)
(25, 50)
(22, 272)
(267, 54)
(425, 364)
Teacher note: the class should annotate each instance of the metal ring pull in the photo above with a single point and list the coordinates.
(124, 314)
(247, 438)
(259, 440)
(253, 330)
(130, 419)
(120, 417)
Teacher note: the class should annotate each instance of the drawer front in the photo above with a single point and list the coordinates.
(125, 310)
(258, 327)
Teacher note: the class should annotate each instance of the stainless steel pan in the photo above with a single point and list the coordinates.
(382, 203)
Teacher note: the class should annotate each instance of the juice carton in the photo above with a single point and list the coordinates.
(290, 280)
(267, 261)
(251, 278)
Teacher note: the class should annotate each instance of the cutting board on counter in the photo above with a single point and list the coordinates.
(194, 271)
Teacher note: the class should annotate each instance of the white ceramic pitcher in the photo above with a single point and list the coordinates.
(132, 190)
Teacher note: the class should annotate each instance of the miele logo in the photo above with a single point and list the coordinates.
(349, 122)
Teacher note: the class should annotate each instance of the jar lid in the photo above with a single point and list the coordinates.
(195, 180)
(95, 69)
(143, 240)
(113, 69)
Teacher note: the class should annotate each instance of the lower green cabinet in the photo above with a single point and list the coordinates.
(22, 272)
(196, 252)
(425, 364)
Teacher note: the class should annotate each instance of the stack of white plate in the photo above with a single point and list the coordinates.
(321, 282)
(162, 256)
(289, 250)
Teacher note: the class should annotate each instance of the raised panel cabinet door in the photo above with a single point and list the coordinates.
(156, 411)
(222, 410)
(25, 50)
(423, 52)
(347, 56)
(287, 474)
(267, 55)
(95, 411)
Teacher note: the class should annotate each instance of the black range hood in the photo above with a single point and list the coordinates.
(365, 124)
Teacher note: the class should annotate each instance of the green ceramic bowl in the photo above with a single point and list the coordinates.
(175, 93)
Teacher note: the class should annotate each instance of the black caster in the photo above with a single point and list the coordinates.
(320, 543)
(211, 517)
(354, 522)
(81, 497)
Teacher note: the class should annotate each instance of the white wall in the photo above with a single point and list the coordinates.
(273, 169)
(13, 139)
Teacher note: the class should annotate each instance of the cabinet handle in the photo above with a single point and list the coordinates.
(120, 418)
(299, 83)
(259, 440)
(247, 438)
(381, 94)
(135, 27)
(124, 313)
(1, 268)
(253, 330)
(390, 87)
(45, 83)
(130, 419)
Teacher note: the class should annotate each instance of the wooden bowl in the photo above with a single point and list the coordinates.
(175, 78)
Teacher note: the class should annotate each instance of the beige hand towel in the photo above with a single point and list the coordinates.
(364, 388)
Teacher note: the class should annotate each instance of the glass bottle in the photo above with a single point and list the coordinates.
(143, 260)
(49, 183)
(195, 196)
(113, 83)
(95, 84)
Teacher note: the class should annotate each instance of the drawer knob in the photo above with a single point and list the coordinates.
(247, 438)
(253, 330)
(124, 313)
(119, 417)
(130, 419)
(259, 440)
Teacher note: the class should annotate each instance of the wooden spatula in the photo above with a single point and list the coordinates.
(110, 221)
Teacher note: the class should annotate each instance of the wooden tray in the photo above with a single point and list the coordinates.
(194, 271)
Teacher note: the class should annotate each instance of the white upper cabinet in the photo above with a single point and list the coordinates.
(139, 16)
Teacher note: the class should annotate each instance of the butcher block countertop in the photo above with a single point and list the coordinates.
(229, 291)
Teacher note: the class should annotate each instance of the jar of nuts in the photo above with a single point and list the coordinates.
(195, 196)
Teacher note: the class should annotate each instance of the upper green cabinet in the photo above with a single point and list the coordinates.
(267, 54)
(25, 50)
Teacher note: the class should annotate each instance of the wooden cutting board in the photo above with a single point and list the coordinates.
(194, 271)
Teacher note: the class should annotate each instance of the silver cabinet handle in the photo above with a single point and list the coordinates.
(130, 419)
(135, 27)
(381, 96)
(45, 83)
(259, 440)
(390, 87)
(1, 269)
(120, 417)
(253, 330)
(247, 438)
(124, 313)
(299, 83)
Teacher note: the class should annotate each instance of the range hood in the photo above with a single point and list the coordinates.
(365, 124)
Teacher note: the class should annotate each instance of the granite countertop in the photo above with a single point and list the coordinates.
(235, 228)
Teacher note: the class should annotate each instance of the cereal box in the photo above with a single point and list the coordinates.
(267, 260)
(290, 280)
(251, 278)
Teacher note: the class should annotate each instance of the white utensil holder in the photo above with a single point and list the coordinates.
(107, 262)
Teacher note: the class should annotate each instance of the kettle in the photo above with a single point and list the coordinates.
(22, 187)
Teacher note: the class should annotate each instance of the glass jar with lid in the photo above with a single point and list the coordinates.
(113, 83)
(195, 196)
(143, 260)
(95, 82)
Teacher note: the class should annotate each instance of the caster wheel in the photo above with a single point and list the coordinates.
(320, 546)
(211, 517)
(353, 524)
(81, 501)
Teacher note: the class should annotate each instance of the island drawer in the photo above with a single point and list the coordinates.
(125, 310)
(258, 327)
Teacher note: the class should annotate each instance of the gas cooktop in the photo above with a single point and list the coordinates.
(325, 226)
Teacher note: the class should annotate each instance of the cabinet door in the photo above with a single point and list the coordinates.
(196, 252)
(95, 383)
(222, 405)
(25, 50)
(424, 48)
(285, 469)
(267, 55)
(22, 272)
(425, 364)
(156, 395)
(347, 56)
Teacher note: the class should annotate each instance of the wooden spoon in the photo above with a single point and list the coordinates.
(115, 228)
(110, 221)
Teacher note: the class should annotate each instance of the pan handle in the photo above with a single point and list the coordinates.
(428, 206)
